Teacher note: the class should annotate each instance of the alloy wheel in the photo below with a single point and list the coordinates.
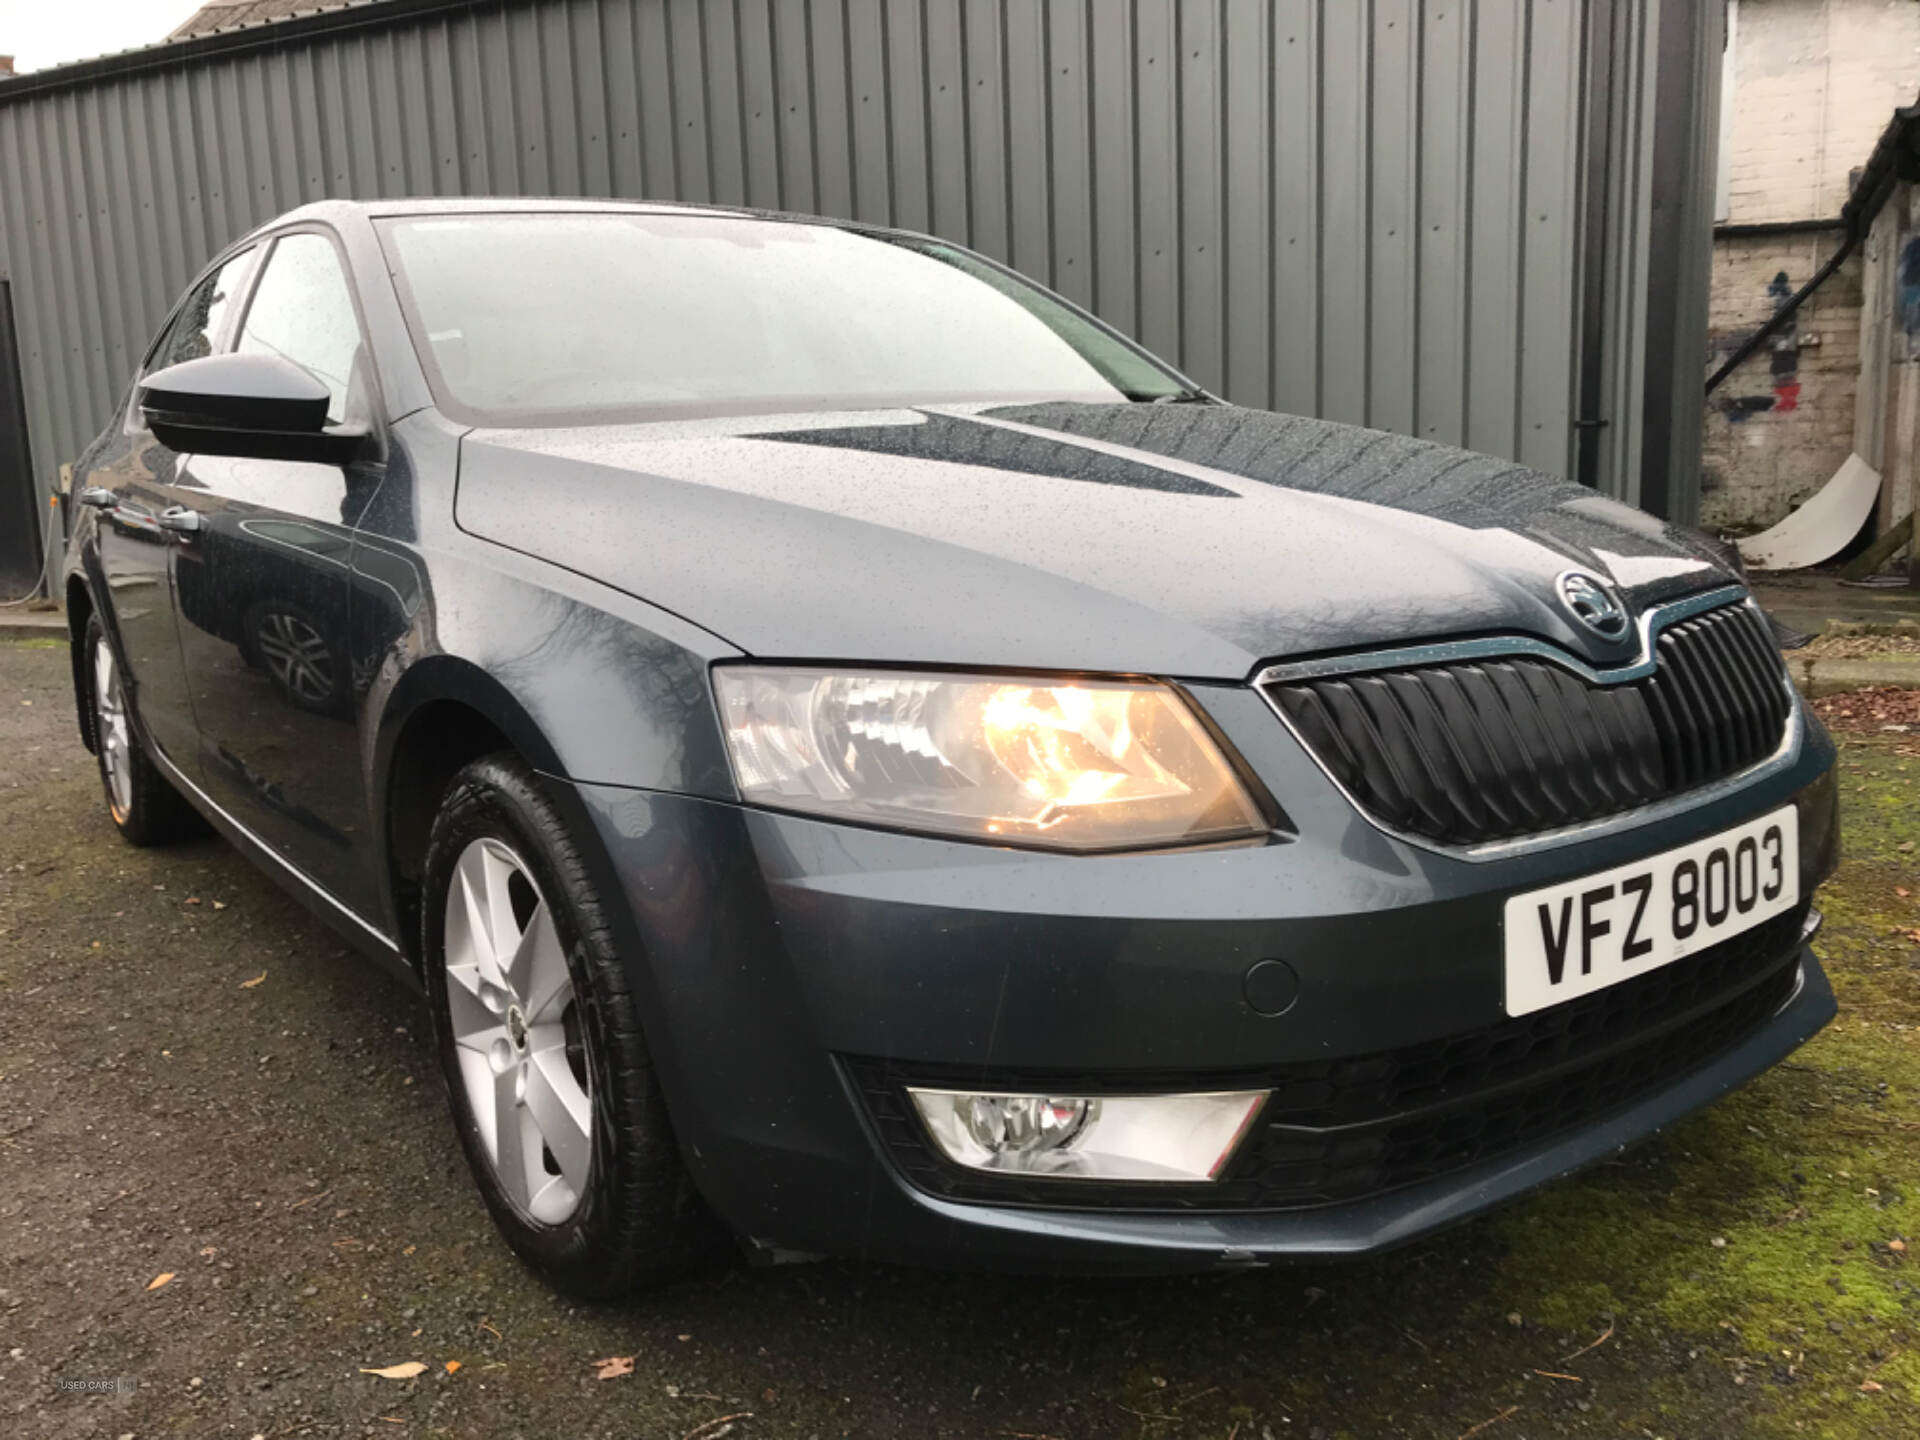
(296, 654)
(110, 730)
(517, 1031)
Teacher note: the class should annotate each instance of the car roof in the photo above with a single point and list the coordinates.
(337, 210)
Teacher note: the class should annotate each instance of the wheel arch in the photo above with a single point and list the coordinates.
(445, 713)
(80, 611)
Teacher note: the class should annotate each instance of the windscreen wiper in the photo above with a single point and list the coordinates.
(1174, 397)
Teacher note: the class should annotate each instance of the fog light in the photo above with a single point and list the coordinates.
(1079, 1137)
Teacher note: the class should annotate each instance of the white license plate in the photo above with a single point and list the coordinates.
(1583, 935)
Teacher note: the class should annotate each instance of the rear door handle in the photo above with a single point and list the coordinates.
(99, 497)
(178, 517)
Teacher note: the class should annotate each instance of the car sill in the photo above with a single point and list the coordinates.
(322, 902)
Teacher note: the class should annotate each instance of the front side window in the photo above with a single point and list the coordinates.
(558, 318)
(200, 325)
(303, 311)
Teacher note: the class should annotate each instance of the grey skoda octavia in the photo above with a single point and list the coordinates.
(863, 759)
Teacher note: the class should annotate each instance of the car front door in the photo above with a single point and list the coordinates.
(265, 588)
(136, 487)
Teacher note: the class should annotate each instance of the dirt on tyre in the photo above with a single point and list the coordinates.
(552, 1089)
(144, 806)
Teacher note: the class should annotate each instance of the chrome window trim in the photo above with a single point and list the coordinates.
(1492, 647)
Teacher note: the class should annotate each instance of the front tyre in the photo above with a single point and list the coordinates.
(144, 806)
(548, 1076)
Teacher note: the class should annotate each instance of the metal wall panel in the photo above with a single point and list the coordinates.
(1365, 209)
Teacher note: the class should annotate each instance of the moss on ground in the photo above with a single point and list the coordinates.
(1771, 1233)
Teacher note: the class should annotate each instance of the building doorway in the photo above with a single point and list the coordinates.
(20, 556)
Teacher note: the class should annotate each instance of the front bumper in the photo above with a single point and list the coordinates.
(775, 954)
(1148, 1242)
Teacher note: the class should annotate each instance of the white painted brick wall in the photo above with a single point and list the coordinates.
(1814, 84)
(1766, 448)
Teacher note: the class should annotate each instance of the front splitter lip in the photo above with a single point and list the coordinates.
(1146, 1242)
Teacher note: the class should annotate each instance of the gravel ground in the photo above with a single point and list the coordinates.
(1860, 647)
(200, 1083)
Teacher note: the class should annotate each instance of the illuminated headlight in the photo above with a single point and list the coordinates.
(1065, 764)
(1110, 1137)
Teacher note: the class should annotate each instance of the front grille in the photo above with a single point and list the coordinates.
(1342, 1130)
(1499, 748)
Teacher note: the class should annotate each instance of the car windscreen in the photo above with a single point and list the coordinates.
(548, 318)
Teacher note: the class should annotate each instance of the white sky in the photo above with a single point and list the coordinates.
(39, 33)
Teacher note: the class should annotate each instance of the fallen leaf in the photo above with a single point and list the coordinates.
(1897, 1246)
(453, 1367)
(1605, 1335)
(219, 904)
(249, 984)
(1488, 1423)
(1902, 891)
(405, 1371)
(192, 900)
(1871, 1387)
(410, 1249)
(613, 1367)
(720, 1425)
(162, 1278)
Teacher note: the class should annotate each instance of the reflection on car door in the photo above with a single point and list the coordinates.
(264, 593)
(140, 478)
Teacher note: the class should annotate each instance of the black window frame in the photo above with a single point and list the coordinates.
(250, 246)
(270, 242)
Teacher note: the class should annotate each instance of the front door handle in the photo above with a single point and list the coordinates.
(99, 497)
(178, 517)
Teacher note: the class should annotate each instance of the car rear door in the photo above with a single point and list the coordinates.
(265, 589)
(141, 490)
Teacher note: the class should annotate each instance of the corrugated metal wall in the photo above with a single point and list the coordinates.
(1366, 209)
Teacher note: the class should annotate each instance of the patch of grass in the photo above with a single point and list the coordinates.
(39, 643)
(1770, 1234)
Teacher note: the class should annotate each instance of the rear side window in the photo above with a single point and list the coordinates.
(302, 310)
(199, 327)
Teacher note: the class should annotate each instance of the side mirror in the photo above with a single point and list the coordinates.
(263, 407)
